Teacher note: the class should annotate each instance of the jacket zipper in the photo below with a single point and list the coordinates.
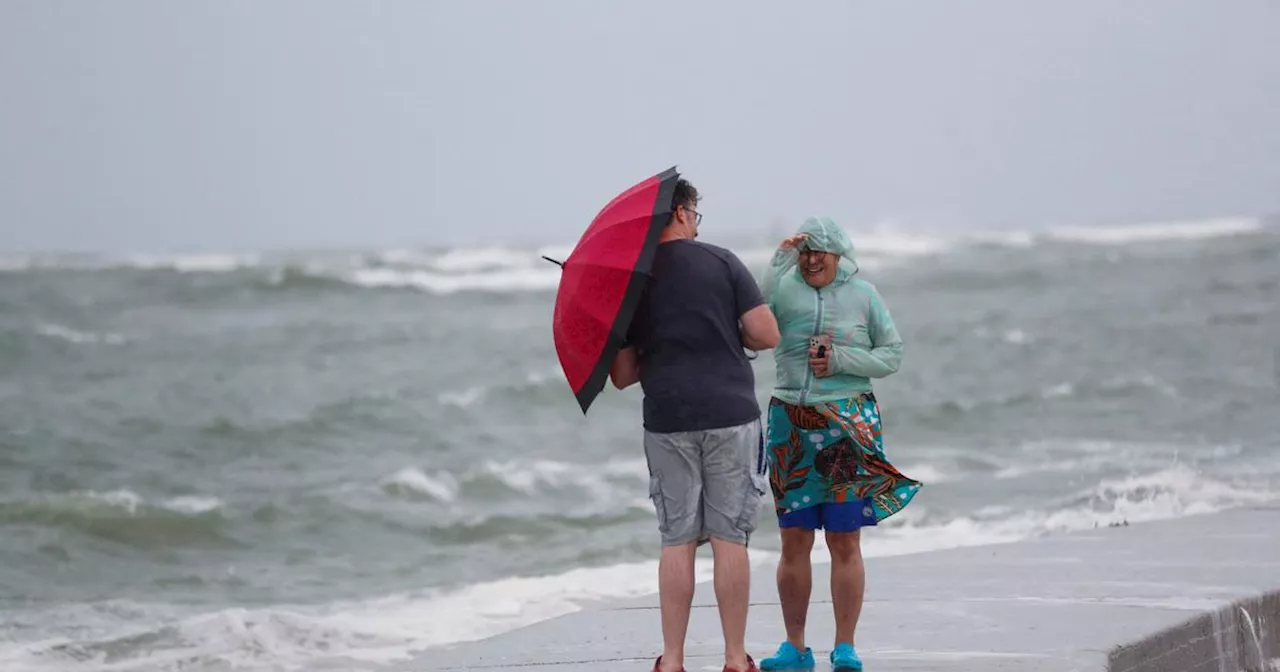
(817, 330)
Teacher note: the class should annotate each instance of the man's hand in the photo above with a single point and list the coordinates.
(821, 365)
(625, 370)
(793, 241)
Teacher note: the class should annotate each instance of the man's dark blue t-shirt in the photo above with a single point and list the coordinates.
(693, 369)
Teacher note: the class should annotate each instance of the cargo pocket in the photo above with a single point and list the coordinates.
(752, 496)
(659, 503)
(753, 492)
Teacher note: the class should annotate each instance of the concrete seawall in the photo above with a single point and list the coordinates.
(1194, 594)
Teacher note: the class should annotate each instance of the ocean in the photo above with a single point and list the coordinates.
(334, 460)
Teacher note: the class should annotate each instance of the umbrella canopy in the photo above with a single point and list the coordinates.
(603, 279)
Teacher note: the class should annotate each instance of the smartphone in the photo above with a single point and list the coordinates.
(817, 344)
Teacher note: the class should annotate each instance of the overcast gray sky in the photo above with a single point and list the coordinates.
(238, 125)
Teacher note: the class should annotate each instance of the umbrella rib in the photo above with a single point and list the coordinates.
(628, 269)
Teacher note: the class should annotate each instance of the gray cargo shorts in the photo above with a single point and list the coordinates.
(707, 483)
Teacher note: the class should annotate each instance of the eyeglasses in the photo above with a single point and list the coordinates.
(697, 216)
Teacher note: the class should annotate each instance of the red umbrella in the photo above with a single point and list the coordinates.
(603, 279)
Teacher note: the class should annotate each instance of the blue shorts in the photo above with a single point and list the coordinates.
(833, 517)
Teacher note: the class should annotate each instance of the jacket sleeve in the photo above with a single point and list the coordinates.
(783, 261)
(885, 354)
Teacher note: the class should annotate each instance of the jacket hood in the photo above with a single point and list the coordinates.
(825, 235)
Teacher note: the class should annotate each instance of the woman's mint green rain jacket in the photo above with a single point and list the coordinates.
(865, 343)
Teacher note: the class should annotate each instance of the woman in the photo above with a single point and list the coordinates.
(828, 468)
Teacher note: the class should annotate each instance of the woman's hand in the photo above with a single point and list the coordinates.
(821, 365)
(793, 241)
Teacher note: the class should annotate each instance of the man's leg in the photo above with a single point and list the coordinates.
(733, 586)
(675, 593)
(675, 485)
(734, 485)
(848, 581)
(795, 581)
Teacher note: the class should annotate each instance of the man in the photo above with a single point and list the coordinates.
(703, 438)
(828, 468)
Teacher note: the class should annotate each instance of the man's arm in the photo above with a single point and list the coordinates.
(885, 355)
(760, 329)
(625, 371)
(756, 322)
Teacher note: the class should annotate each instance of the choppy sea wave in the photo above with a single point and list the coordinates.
(507, 269)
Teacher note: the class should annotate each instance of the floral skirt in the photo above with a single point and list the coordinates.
(833, 453)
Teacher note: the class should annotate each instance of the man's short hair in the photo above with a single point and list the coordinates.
(685, 194)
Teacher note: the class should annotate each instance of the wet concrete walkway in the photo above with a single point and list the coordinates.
(1199, 593)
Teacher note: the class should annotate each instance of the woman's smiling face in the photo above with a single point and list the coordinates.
(818, 268)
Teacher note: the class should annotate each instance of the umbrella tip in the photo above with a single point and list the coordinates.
(557, 263)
